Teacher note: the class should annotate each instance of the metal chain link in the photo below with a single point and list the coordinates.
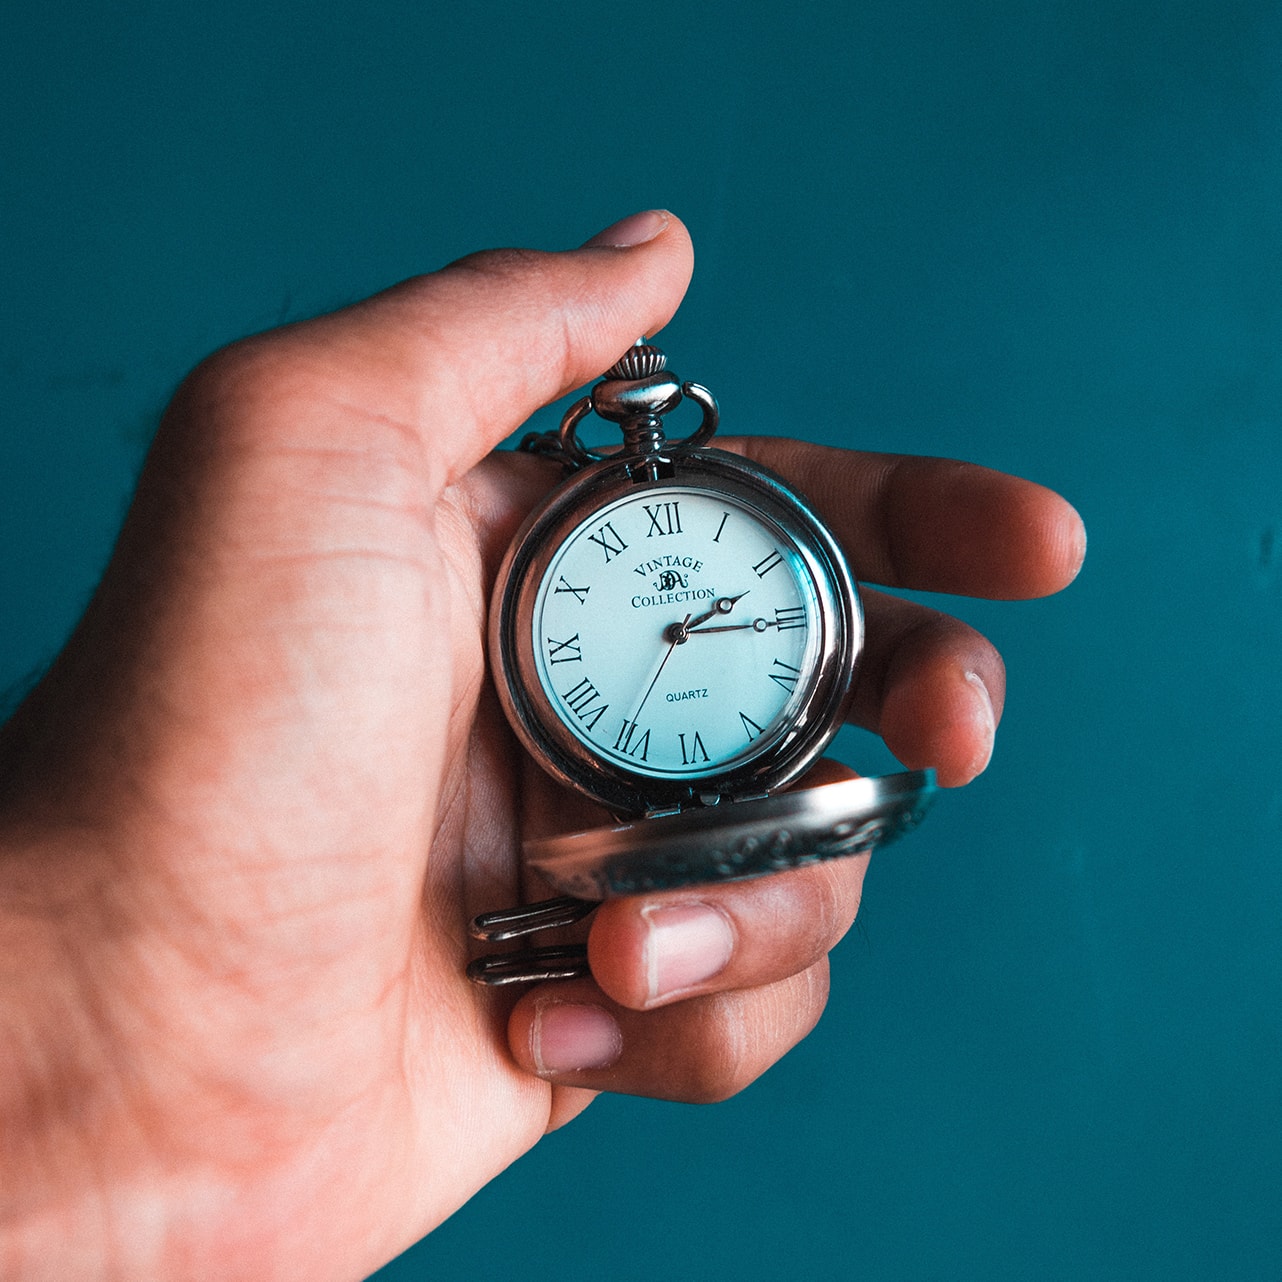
(548, 445)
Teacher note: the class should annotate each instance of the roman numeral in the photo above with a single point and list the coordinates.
(582, 701)
(788, 677)
(790, 616)
(580, 594)
(556, 652)
(767, 563)
(625, 745)
(750, 727)
(689, 758)
(665, 518)
(608, 540)
(716, 538)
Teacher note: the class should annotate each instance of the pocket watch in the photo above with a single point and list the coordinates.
(674, 633)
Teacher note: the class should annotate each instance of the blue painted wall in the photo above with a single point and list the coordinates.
(1047, 237)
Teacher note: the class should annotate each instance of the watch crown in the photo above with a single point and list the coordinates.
(642, 360)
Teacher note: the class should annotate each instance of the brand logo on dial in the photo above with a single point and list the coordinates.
(672, 585)
(669, 565)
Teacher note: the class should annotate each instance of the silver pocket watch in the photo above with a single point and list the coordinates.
(674, 634)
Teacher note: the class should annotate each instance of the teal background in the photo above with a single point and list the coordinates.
(1044, 236)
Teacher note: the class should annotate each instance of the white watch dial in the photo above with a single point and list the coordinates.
(677, 632)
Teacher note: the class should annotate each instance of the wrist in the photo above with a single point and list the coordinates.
(43, 1090)
(60, 1117)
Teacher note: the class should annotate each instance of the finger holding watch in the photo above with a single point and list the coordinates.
(693, 992)
(682, 981)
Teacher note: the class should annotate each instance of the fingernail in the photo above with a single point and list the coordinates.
(635, 229)
(985, 722)
(568, 1036)
(685, 945)
(1079, 545)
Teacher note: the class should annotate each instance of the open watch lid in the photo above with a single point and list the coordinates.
(729, 841)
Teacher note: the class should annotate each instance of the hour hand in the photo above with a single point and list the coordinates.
(722, 605)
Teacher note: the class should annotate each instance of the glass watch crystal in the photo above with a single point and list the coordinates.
(676, 632)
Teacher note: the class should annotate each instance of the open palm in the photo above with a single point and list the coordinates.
(247, 814)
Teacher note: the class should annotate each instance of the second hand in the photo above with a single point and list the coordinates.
(672, 645)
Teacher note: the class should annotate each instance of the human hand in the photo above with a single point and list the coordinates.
(246, 816)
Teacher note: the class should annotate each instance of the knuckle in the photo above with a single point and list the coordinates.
(750, 1031)
(729, 1059)
(715, 1084)
(932, 635)
(818, 984)
(240, 375)
(804, 913)
(500, 264)
(836, 897)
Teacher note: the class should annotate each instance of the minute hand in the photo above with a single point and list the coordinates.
(757, 625)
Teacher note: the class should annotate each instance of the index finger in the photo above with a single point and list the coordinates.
(933, 524)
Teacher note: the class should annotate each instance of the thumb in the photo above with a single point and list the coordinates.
(460, 358)
(274, 622)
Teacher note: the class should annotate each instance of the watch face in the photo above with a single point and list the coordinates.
(660, 641)
(676, 632)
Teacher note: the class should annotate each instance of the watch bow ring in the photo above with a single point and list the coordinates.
(674, 634)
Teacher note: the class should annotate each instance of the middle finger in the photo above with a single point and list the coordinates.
(933, 524)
